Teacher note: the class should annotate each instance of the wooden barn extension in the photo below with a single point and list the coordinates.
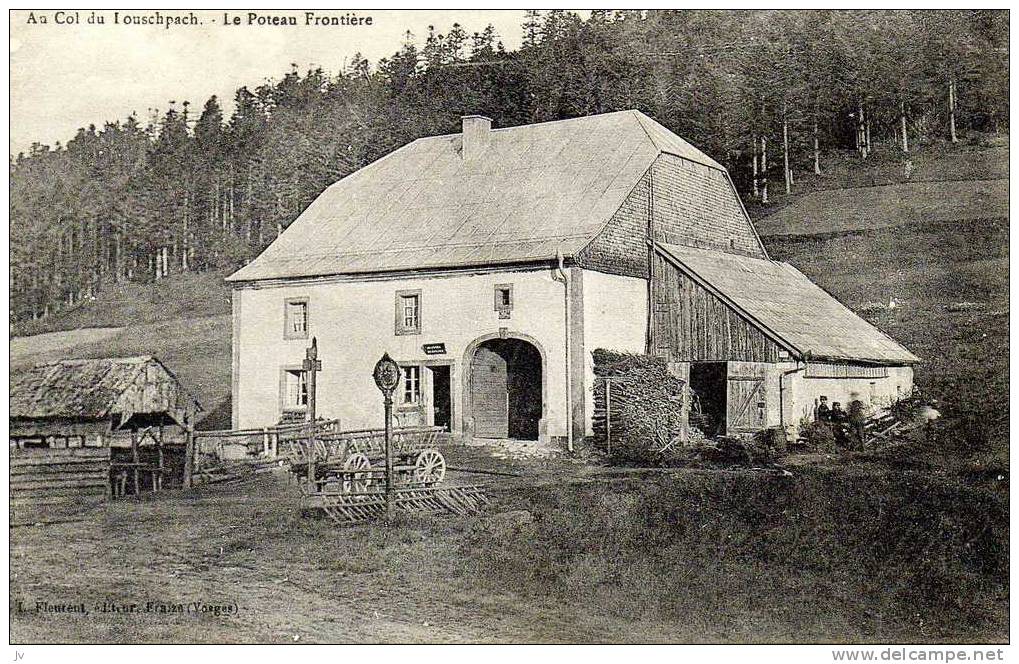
(130, 413)
(758, 343)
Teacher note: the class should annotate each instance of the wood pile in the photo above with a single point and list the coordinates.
(882, 426)
(638, 404)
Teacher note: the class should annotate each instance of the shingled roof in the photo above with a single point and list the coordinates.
(784, 303)
(95, 389)
(534, 191)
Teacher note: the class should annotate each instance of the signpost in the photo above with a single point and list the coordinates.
(387, 377)
(311, 365)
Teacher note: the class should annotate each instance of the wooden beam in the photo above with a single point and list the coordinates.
(189, 456)
(134, 458)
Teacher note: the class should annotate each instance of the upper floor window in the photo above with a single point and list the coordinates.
(411, 385)
(295, 390)
(504, 299)
(408, 312)
(296, 318)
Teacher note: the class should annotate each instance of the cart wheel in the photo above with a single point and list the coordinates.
(357, 482)
(429, 468)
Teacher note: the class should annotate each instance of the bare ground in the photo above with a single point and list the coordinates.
(291, 578)
(567, 552)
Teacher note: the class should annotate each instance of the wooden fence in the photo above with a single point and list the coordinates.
(45, 483)
(609, 394)
(239, 444)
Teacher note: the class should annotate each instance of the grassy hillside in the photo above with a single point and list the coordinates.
(197, 350)
(845, 210)
(951, 283)
(194, 295)
(939, 246)
(979, 157)
(183, 320)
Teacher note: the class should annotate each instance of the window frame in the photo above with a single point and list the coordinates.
(418, 403)
(504, 309)
(285, 371)
(288, 333)
(400, 328)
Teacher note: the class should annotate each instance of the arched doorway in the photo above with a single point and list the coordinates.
(505, 389)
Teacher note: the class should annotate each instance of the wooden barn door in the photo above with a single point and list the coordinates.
(490, 394)
(747, 405)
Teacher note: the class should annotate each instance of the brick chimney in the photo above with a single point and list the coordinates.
(476, 130)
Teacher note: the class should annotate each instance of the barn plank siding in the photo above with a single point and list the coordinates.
(694, 325)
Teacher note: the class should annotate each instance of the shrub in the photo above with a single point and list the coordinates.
(818, 436)
(749, 452)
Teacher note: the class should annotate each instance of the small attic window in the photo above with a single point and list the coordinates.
(504, 299)
(408, 312)
(295, 318)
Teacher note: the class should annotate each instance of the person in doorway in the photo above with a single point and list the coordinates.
(823, 412)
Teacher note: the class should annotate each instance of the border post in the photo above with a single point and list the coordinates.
(387, 377)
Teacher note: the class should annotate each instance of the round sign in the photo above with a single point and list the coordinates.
(386, 374)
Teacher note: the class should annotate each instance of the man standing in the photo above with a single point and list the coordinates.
(857, 418)
(822, 413)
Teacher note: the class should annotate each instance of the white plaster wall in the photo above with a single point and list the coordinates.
(878, 392)
(615, 318)
(354, 324)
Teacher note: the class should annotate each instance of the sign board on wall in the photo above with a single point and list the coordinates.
(434, 349)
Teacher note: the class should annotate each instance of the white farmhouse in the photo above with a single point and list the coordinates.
(491, 263)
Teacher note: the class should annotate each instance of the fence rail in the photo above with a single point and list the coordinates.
(234, 444)
(47, 482)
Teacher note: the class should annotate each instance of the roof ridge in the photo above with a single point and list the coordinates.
(687, 247)
(82, 360)
(535, 124)
(707, 162)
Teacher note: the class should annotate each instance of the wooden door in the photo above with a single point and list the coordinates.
(489, 394)
(747, 404)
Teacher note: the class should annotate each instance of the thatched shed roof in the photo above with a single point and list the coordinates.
(531, 192)
(782, 302)
(96, 389)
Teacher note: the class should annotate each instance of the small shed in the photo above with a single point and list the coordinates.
(133, 406)
(760, 344)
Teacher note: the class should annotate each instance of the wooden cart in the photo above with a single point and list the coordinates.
(354, 461)
(350, 475)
